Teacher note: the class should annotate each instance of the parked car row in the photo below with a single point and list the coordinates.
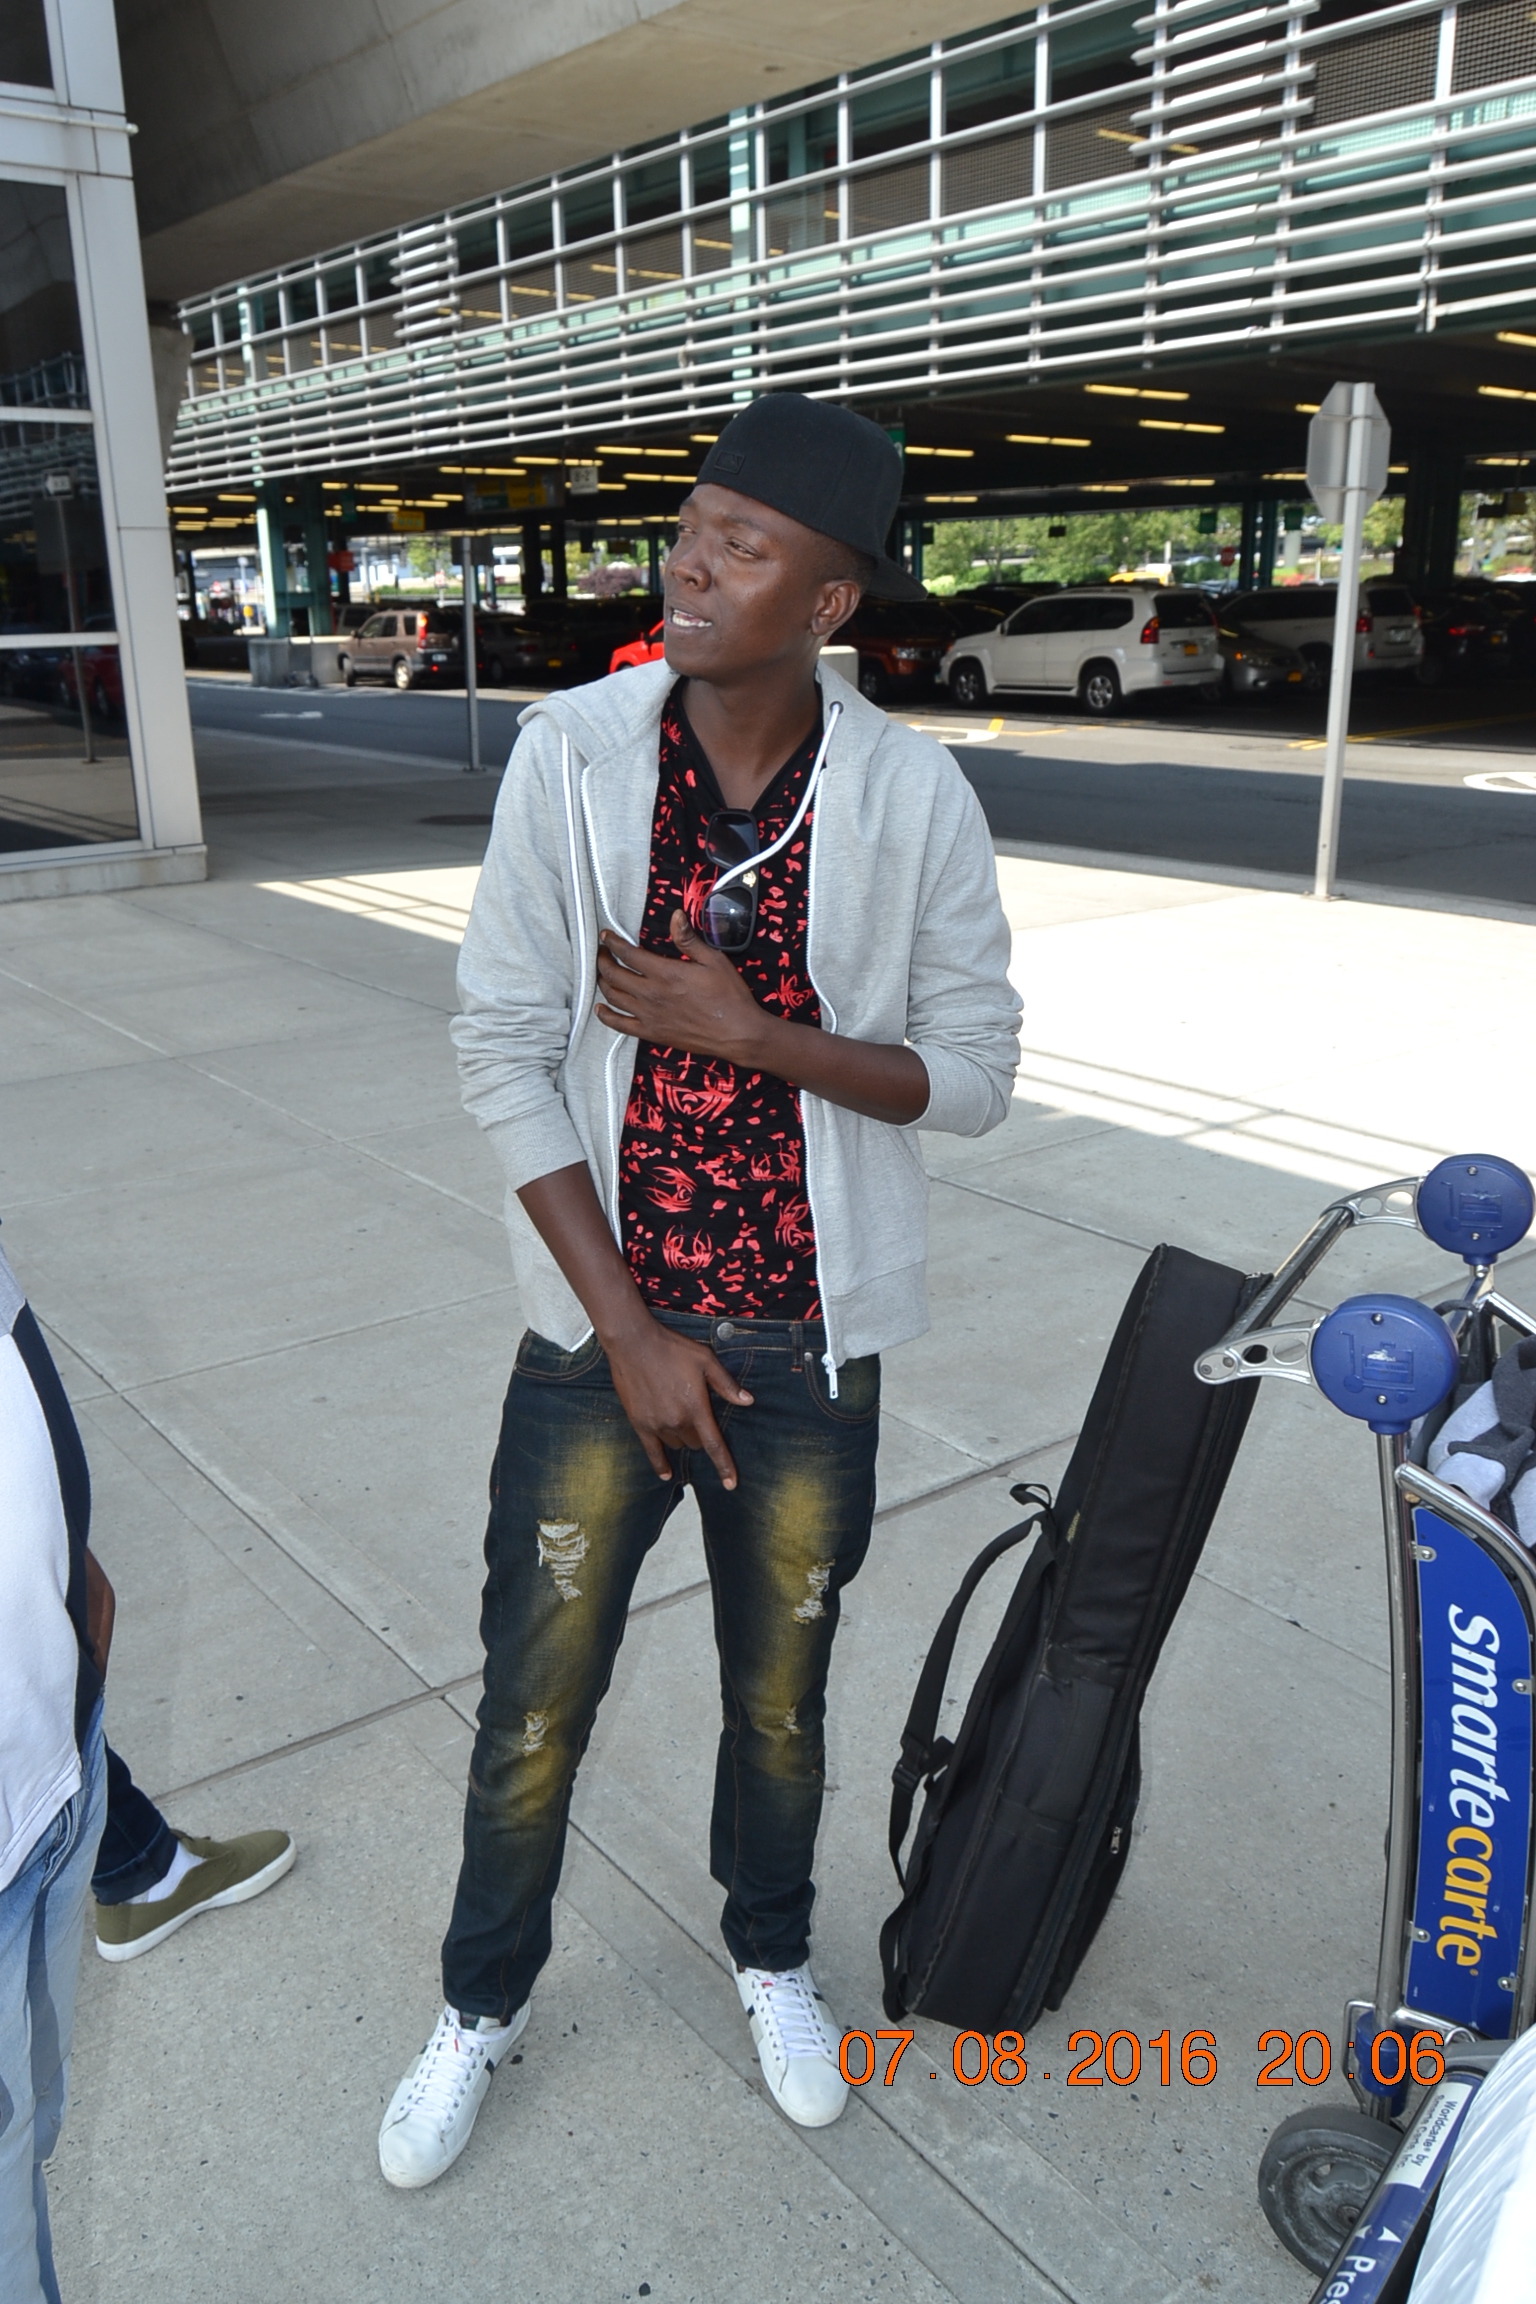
(1100, 642)
(550, 643)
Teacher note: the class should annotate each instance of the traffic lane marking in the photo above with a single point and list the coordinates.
(1521, 780)
(1432, 728)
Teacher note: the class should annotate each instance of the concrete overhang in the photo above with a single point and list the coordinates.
(267, 133)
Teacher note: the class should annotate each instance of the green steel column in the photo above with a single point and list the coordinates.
(311, 510)
(272, 545)
(1269, 525)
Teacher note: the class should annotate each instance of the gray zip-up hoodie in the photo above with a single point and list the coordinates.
(906, 940)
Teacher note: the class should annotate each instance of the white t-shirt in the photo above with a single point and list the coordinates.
(39, 1654)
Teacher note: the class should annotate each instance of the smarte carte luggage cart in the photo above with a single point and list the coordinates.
(1346, 2191)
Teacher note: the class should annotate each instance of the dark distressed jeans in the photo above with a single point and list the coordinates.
(575, 1507)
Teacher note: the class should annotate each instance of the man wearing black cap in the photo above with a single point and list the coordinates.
(737, 937)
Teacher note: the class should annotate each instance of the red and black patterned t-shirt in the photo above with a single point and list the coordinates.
(713, 1212)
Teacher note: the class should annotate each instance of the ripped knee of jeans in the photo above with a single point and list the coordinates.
(812, 1605)
(562, 1548)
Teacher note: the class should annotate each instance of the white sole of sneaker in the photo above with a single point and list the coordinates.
(241, 1893)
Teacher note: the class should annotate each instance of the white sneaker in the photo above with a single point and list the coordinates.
(432, 2113)
(797, 2046)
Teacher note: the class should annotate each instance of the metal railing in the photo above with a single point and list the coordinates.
(1246, 175)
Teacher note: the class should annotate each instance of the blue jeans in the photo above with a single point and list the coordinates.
(42, 1923)
(575, 1507)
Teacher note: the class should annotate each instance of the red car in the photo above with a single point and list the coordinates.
(647, 649)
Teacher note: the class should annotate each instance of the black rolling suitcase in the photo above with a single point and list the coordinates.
(1027, 1821)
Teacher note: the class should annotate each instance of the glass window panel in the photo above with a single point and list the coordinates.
(53, 553)
(587, 209)
(341, 288)
(200, 328)
(228, 319)
(42, 357)
(530, 230)
(889, 117)
(303, 297)
(711, 172)
(1094, 55)
(65, 775)
(24, 44)
(653, 190)
(477, 245)
(378, 277)
(991, 87)
(265, 310)
(800, 145)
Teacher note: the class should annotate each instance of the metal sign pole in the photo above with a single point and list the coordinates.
(471, 688)
(1340, 681)
(1348, 443)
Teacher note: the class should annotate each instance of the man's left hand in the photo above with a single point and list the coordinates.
(697, 1001)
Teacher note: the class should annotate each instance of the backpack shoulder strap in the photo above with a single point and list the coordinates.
(917, 1738)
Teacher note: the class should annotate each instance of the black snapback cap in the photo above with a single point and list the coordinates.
(822, 465)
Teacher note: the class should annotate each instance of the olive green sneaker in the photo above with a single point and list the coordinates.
(231, 1872)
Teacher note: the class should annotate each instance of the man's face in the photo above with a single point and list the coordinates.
(745, 588)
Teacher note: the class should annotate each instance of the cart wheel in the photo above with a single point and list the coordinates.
(1318, 2171)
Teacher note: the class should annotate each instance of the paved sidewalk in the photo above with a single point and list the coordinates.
(236, 1180)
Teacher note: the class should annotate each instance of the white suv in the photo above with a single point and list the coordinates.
(1100, 645)
(1300, 616)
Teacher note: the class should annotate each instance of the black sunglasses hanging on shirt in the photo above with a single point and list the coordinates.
(729, 916)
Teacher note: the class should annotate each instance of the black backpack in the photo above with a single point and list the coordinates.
(1027, 1821)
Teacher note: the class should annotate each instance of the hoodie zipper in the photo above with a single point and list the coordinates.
(829, 1018)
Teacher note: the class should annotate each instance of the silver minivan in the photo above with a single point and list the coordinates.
(1300, 616)
(1097, 645)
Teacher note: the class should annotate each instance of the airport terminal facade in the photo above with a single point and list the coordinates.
(1097, 251)
(1094, 250)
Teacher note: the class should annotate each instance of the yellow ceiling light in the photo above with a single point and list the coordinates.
(710, 437)
(687, 478)
(1513, 336)
(1106, 487)
(1134, 392)
(1503, 392)
(233, 498)
(1511, 463)
(1285, 475)
(949, 499)
(914, 451)
(1307, 407)
(1047, 440)
(539, 459)
(1174, 424)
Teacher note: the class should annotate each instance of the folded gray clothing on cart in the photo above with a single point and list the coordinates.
(1487, 1446)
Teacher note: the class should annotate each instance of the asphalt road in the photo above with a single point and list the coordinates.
(1440, 794)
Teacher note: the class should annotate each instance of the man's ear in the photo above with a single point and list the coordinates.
(837, 603)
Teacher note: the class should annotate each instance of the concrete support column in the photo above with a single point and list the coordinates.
(1431, 519)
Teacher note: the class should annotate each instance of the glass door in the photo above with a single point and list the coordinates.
(66, 776)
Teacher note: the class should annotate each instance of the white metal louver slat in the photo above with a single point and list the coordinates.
(426, 268)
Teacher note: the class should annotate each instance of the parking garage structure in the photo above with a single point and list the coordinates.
(1093, 252)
